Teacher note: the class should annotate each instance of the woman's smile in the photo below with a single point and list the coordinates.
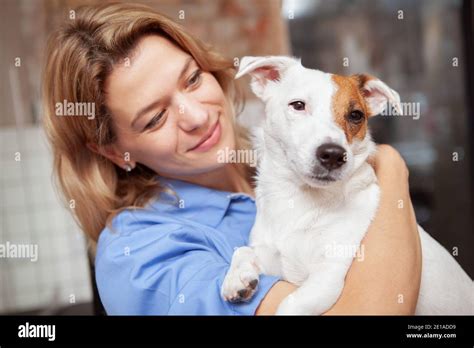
(211, 138)
(192, 112)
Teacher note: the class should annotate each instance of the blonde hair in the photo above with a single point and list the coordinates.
(80, 56)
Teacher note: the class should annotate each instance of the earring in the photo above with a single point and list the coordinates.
(128, 167)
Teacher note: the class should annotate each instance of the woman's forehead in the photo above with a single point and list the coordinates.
(151, 72)
(156, 45)
(152, 53)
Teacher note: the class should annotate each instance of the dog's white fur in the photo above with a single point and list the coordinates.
(301, 219)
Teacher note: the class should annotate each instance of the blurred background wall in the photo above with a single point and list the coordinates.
(416, 47)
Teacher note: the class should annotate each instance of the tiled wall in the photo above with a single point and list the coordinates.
(32, 215)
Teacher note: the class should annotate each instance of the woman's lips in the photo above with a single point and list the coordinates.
(212, 140)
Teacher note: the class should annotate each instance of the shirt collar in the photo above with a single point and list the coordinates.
(199, 203)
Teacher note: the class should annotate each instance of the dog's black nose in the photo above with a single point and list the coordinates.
(331, 156)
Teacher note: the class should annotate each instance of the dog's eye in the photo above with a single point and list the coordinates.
(356, 116)
(298, 105)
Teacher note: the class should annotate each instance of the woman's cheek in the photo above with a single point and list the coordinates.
(154, 151)
(164, 148)
(210, 89)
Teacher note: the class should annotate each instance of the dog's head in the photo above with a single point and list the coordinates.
(319, 120)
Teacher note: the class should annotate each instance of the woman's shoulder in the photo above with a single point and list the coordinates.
(162, 230)
(145, 226)
(190, 207)
(146, 258)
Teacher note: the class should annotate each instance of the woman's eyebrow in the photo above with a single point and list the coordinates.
(149, 107)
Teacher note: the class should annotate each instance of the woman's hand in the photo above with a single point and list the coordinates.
(387, 281)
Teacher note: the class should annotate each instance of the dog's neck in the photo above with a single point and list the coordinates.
(277, 180)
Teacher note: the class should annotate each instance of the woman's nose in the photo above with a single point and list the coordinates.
(191, 114)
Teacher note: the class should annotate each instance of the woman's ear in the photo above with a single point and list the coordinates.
(263, 70)
(113, 154)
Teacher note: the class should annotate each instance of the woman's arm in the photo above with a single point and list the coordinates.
(387, 281)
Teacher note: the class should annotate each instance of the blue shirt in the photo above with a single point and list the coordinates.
(172, 257)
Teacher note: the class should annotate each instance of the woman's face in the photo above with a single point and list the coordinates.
(168, 114)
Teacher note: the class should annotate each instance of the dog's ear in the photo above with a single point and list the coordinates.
(263, 70)
(377, 94)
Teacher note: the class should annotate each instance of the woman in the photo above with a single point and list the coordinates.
(143, 178)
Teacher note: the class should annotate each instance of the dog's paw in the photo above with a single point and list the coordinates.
(240, 283)
(290, 306)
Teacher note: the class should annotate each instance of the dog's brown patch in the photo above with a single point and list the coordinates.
(348, 98)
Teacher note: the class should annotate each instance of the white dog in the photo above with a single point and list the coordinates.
(316, 194)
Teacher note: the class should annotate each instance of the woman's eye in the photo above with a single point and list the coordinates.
(356, 116)
(298, 105)
(154, 121)
(195, 78)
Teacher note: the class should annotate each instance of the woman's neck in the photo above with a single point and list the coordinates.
(227, 178)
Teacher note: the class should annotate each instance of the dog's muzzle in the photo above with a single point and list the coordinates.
(331, 156)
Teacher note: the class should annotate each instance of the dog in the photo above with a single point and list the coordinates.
(316, 194)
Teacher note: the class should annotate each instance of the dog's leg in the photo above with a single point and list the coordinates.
(240, 282)
(318, 293)
(247, 263)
